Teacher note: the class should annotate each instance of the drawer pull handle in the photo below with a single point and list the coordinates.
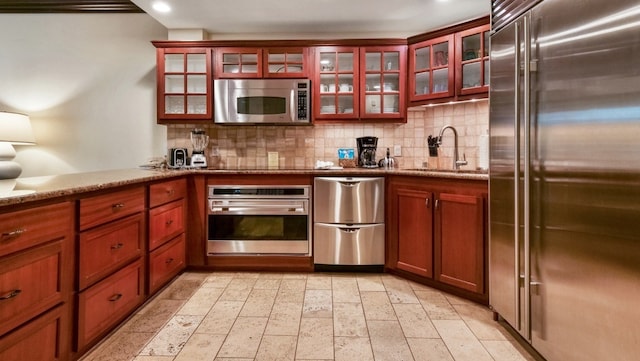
(11, 294)
(169, 260)
(171, 191)
(13, 234)
(117, 206)
(117, 246)
(115, 297)
(169, 222)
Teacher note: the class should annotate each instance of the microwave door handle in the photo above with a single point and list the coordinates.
(292, 105)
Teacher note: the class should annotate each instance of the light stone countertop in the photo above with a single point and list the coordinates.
(23, 190)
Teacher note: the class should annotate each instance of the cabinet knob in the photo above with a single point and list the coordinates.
(169, 260)
(171, 191)
(169, 222)
(117, 206)
(117, 246)
(10, 294)
(13, 234)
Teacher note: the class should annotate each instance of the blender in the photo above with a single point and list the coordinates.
(199, 141)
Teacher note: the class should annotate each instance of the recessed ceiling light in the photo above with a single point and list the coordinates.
(161, 6)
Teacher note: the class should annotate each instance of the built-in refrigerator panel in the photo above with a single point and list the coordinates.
(565, 247)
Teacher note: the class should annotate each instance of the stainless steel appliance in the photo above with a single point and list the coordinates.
(564, 176)
(199, 141)
(348, 221)
(247, 219)
(367, 147)
(262, 101)
(177, 157)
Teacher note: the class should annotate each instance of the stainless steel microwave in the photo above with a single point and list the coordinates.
(262, 101)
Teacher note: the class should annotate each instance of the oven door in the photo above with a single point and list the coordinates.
(258, 226)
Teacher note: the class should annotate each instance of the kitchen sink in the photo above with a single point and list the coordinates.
(459, 171)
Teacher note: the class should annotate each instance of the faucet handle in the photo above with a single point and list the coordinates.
(463, 161)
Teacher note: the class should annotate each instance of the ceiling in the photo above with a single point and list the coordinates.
(246, 19)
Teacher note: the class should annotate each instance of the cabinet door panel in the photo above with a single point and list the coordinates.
(459, 245)
(165, 192)
(165, 222)
(415, 231)
(166, 262)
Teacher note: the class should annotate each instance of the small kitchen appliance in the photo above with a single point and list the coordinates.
(199, 141)
(367, 147)
(177, 157)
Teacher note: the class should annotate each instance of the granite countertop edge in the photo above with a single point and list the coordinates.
(24, 190)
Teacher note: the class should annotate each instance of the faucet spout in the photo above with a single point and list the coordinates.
(456, 158)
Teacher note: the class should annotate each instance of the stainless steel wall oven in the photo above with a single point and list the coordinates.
(248, 219)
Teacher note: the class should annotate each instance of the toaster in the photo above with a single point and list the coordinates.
(177, 157)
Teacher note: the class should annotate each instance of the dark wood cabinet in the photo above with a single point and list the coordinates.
(436, 231)
(257, 62)
(184, 82)
(472, 61)
(431, 69)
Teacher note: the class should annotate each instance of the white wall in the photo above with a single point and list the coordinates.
(88, 83)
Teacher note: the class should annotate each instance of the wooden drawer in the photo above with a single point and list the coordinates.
(23, 229)
(166, 262)
(165, 192)
(106, 248)
(107, 207)
(105, 304)
(165, 222)
(31, 282)
(45, 338)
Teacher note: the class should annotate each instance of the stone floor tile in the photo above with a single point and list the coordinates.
(277, 348)
(370, 283)
(353, 348)
(315, 340)
(480, 321)
(436, 305)
(153, 358)
(345, 289)
(181, 289)
(201, 301)
(173, 336)
(504, 351)
(259, 303)
(221, 317)
(284, 319)
(320, 281)
(267, 284)
(244, 338)
(414, 321)
(291, 291)
(388, 342)
(217, 281)
(154, 316)
(377, 306)
(429, 349)
(399, 290)
(200, 347)
(460, 341)
(121, 346)
(317, 303)
(348, 320)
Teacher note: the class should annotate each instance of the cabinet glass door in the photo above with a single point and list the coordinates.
(185, 83)
(382, 82)
(473, 55)
(431, 69)
(285, 62)
(337, 83)
(238, 63)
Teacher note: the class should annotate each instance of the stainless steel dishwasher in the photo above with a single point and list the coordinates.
(348, 221)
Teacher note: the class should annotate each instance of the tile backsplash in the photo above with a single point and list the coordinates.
(241, 147)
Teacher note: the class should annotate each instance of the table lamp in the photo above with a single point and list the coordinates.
(15, 128)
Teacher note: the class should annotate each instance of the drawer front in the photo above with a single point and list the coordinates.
(165, 192)
(107, 248)
(348, 245)
(108, 302)
(348, 199)
(165, 222)
(30, 283)
(42, 339)
(30, 227)
(107, 207)
(166, 262)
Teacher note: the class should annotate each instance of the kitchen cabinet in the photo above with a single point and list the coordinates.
(167, 244)
(110, 284)
(437, 232)
(36, 265)
(184, 80)
(256, 62)
(360, 83)
(450, 64)
(472, 61)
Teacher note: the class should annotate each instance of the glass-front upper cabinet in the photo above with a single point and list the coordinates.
(472, 62)
(336, 83)
(184, 76)
(286, 62)
(431, 69)
(382, 83)
(238, 63)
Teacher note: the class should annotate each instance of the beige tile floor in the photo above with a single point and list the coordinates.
(298, 316)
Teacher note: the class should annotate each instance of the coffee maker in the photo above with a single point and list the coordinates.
(367, 152)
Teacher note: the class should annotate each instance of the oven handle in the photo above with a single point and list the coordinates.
(268, 207)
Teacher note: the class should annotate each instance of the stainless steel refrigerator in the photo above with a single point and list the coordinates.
(564, 180)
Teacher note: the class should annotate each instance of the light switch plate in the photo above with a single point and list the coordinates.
(397, 151)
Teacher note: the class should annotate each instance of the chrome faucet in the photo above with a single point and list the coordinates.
(456, 159)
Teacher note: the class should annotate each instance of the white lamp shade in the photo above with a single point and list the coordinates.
(15, 128)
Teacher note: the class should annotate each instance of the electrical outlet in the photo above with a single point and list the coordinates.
(397, 151)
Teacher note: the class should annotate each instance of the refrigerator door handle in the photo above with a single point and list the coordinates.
(527, 164)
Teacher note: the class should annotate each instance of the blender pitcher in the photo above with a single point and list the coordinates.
(199, 141)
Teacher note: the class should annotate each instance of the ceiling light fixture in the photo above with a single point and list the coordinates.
(161, 6)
